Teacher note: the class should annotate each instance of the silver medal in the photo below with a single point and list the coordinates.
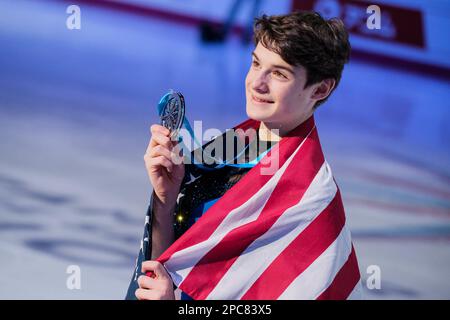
(172, 114)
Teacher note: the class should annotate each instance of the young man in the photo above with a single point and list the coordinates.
(234, 232)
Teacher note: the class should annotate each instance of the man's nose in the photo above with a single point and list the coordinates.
(259, 84)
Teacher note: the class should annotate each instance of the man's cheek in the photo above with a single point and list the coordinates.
(247, 88)
(248, 78)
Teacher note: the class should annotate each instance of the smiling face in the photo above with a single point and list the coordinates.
(276, 93)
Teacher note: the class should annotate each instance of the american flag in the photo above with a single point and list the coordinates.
(280, 235)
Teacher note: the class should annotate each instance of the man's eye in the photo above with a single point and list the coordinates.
(279, 74)
(255, 63)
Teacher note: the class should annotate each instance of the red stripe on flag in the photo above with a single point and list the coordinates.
(290, 189)
(240, 193)
(344, 282)
(300, 253)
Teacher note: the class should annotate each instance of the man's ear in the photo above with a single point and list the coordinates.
(323, 89)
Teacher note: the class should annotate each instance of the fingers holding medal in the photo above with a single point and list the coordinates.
(162, 158)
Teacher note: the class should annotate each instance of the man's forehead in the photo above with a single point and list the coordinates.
(271, 57)
(262, 52)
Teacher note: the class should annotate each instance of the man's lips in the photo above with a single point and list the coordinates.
(260, 100)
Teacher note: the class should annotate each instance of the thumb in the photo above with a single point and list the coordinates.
(153, 267)
(177, 154)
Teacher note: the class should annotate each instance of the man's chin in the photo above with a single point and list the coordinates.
(257, 115)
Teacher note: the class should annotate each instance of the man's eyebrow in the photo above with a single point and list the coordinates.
(276, 65)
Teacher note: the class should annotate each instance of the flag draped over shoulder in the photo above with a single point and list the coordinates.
(278, 235)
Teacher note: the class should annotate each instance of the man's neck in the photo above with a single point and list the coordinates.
(275, 132)
(267, 133)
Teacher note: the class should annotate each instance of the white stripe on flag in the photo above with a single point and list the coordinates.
(184, 260)
(321, 273)
(357, 293)
(259, 255)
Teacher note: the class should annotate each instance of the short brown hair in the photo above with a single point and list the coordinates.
(305, 38)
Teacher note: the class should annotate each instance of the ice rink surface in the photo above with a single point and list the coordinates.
(75, 112)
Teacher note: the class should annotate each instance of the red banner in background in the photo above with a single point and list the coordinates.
(398, 24)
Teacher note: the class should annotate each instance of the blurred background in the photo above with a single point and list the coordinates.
(78, 93)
